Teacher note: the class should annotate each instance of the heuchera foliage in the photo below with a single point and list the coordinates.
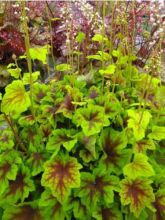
(83, 149)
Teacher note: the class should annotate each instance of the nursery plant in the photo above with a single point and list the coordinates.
(83, 146)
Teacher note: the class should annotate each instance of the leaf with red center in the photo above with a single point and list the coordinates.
(25, 212)
(61, 137)
(142, 145)
(139, 167)
(16, 99)
(113, 143)
(159, 205)
(80, 211)
(88, 142)
(108, 213)
(52, 208)
(26, 121)
(37, 158)
(6, 139)
(60, 175)
(92, 119)
(97, 187)
(111, 104)
(19, 188)
(67, 107)
(40, 91)
(137, 193)
(9, 163)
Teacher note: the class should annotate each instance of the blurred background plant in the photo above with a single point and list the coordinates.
(136, 26)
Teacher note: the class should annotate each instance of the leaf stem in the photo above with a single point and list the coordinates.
(18, 140)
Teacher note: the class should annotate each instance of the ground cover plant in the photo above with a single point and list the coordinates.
(83, 138)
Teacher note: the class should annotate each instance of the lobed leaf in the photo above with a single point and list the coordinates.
(60, 175)
(139, 167)
(137, 193)
(16, 99)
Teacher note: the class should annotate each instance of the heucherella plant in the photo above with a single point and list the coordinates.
(77, 148)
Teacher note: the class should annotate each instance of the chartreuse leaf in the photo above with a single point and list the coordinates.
(26, 77)
(99, 38)
(52, 208)
(97, 187)
(39, 91)
(0, 96)
(25, 211)
(9, 163)
(36, 160)
(112, 143)
(108, 70)
(61, 137)
(138, 121)
(60, 175)
(110, 212)
(63, 67)
(80, 37)
(88, 143)
(101, 56)
(19, 188)
(139, 167)
(80, 211)
(92, 119)
(158, 133)
(159, 205)
(137, 193)
(39, 53)
(14, 72)
(142, 145)
(16, 99)
(6, 139)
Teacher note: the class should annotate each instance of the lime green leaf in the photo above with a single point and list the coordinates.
(91, 119)
(63, 67)
(6, 139)
(26, 77)
(28, 211)
(15, 72)
(116, 53)
(113, 143)
(142, 145)
(97, 187)
(108, 213)
(61, 137)
(80, 37)
(99, 38)
(102, 56)
(88, 142)
(139, 167)
(8, 168)
(36, 159)
(16, 99)
(0, 96)
(26, 121)
(80, 211)
(39, 53)
(138, 121)
(94, 57)
(159, 205)
(51, 207)
(158, 133)
(19, 188)
(60, 175)
(109, 70)
(137, 193)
